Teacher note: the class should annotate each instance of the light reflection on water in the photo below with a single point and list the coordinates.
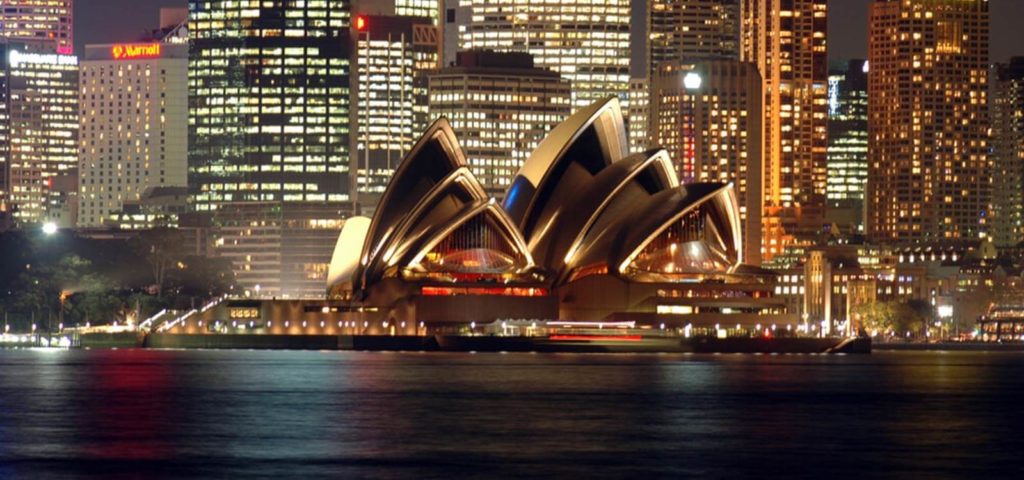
(132, 413)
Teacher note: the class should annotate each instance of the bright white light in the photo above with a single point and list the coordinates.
(49, 228)
(692, 81)
(945, 311)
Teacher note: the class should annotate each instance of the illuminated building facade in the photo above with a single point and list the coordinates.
(708, 117)
(638, 114)
(393, 57)
(503, 106)
(454, 19)
(1007, 112)
(786, 40)
(134, 125)
(692, 30)
(42, 132)
(928, 177)
(44, 26)
(848, 145)
(6, 209)
(586, 41)
(269, 123)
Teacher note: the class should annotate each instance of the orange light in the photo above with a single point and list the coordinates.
(360, 23)
(128, 52)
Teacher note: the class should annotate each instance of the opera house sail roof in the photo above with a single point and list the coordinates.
(580, 206)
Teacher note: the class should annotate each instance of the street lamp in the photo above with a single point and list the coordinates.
(49, 228)
(692, 81)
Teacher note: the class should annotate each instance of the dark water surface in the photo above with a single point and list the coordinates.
(244, 414)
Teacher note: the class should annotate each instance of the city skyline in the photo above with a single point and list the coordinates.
(848, 26)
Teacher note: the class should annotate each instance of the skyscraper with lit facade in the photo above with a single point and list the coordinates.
(41, 132)
(1007, 110)
(585, 41)
(503, 106)
(691, 30)
(39, 25)
(134, 125)
(786, 40)
(928, 174)
(708, 116)
(848, 145)
(268, 138)
(393, 55)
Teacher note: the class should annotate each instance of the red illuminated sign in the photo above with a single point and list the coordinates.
(360, 23)
(128, 52)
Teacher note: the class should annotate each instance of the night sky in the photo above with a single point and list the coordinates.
(105, 21)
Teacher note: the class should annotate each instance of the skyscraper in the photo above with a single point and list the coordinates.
(692, 30)
(928, 177)
(848, 144)
(502, 106)
(1007, 97)
(40, 25)
(42, 134)
(708, 116)
(134, 125)
(586, 42)
(786, 40)
(392, 58)
(269, 133)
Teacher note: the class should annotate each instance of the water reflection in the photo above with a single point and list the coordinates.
(131, 413)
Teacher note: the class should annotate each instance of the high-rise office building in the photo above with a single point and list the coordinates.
(43, 26)
(6, 209)
(708, 117)
(41, 133)
(502, 107)
(403, 8)
(786, 40)
(928, 173)
(134, 125)
(692, 30)
(587, 42)
(1007, 115)
(269, 127)
(454, 18)
(847, 144)
(393, 55)
(638, 114)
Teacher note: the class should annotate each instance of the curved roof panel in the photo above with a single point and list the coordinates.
(434, 157)
(345, 260)
(633, 222)
(569, 157)
(454, 195)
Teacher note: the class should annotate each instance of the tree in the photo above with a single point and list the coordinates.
(162, 249)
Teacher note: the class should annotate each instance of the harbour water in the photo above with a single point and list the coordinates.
(263, 414)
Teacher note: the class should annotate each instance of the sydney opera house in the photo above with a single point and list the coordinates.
(585, 233)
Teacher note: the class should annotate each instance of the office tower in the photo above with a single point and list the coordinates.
(403, 8)
(502, 106)
(41, 132)
(928, 173)
(691, 30)
(454, 19)
(708, 117)
(586, 42)
(6, 209)
(269, 133)
(134, 125)
(392, 58)
(638, 114)
(43, 26)
(786, 40)
(847, 145)
(1007, 110)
